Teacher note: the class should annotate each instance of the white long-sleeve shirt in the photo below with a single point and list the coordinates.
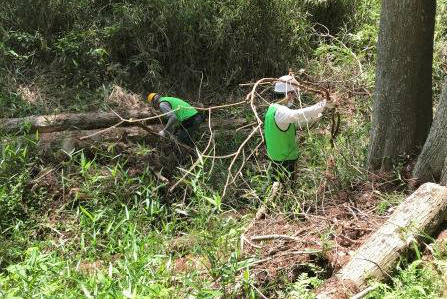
(285, 116)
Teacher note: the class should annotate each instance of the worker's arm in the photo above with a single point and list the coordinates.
(166, 109)
(285, 116)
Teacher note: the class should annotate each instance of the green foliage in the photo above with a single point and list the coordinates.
(417, 280)
(301, 288)
(104, 226)
(213, 45)
(388, 201)
(332, 14)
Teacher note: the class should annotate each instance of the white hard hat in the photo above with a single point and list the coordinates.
(283, 87)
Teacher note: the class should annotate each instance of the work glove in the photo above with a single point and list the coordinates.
(162, 133)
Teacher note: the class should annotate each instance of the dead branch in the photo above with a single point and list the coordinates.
(261, 212)
(274, 237)
(236, 156)
(68, 121)
(200, 155)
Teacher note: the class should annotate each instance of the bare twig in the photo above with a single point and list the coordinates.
(273, 237)
(285, 254)
(261, 211)
(246, 126)
(102, 131)
(243, 238)
(139, 124)
(236, 155)
(259, 292)
(200, 156)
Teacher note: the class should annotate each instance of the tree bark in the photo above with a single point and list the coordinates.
(431, 163)
(403, 95)
(444, 174)
(70, 121)
(56, 143)
(93, 120)
(421, 213)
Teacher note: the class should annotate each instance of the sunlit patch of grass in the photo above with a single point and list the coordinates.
(417, 280)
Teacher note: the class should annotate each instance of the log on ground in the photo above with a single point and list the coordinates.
(70, 121)
(91, 120)
(420, 214)
(64, 142)
(68, 141)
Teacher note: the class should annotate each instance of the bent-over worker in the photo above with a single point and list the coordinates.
(281, 122)
(183, 120)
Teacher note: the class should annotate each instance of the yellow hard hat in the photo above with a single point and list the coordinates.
(151, 96)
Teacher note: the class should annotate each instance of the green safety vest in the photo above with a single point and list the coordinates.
(181, 109)
(281, 145)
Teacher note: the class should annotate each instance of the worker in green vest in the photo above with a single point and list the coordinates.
(183, 120)
(281, 123)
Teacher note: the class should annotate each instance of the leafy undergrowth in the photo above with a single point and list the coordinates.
(103, 223)
(424, 277)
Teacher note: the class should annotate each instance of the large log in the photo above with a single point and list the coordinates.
(91, 120)
(70, 121)
(67, 141)
(60, 143)
(421, 213)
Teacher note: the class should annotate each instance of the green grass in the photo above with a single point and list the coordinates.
(98, 227)
(108, 234)
(93, 226)
(416, 280)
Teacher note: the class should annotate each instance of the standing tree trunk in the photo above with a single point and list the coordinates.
(432, 162)
(403, 98)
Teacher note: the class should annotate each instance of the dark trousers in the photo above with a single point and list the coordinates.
(187, 131)
(283, 170)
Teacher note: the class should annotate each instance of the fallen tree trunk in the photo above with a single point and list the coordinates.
(68, 141)
(89, 121)
(70, 121)
(419, 214)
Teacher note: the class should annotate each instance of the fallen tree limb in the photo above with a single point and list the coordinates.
(68, 121)
(91, 120)
(420, 214)
(67, 141)
(273, 237)
(276, 188)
